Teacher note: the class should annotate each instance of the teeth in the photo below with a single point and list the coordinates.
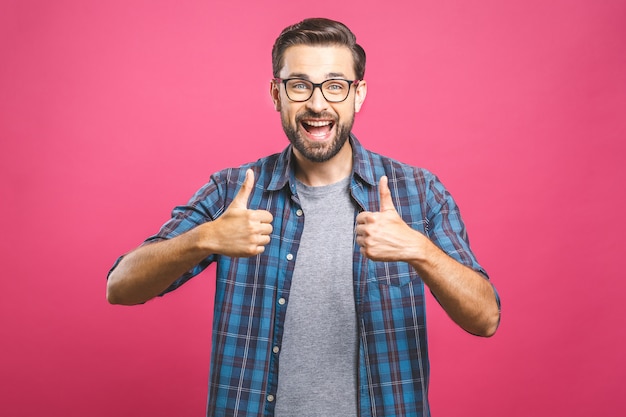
(319, 123)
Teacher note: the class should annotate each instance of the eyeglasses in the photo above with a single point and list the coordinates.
(334, 90)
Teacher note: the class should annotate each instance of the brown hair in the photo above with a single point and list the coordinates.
(318, 31)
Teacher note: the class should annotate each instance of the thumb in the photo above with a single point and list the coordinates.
(385, 195)
(241, 199)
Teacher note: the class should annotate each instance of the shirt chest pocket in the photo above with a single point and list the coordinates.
(396, 274)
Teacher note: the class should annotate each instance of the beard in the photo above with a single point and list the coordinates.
(313, 151)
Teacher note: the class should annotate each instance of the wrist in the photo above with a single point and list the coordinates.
(423, 252)
(202, 239)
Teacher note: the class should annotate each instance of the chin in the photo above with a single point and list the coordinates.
(317, 151)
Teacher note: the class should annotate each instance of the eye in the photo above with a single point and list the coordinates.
(299, 85)
(335, 87)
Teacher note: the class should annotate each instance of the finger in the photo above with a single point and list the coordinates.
(241, 199)
(365, 217)
(263, 216)
(385, 195)
(265, 229)
(264, 240)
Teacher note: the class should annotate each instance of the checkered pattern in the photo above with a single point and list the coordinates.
(252, 294)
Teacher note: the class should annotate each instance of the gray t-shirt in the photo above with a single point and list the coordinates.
(317, 374)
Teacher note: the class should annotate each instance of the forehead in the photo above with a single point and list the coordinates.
(318, 62)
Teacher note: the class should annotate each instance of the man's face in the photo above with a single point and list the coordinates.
(316, 128)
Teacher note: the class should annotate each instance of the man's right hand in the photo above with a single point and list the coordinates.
(148, 270)
(240, 231)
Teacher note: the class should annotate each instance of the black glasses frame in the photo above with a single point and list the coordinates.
(317, 85)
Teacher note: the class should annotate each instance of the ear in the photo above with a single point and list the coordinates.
(275, 94)
(360, 93)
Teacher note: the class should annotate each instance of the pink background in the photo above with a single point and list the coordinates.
(112, 112)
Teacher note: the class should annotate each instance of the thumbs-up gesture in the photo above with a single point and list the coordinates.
(383, 235)
(240, 231)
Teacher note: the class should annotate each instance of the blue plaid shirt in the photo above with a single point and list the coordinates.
(252, 294)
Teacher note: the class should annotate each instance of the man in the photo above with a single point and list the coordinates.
(322, 254)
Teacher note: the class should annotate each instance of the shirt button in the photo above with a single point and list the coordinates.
(276, 349)
(281, 301)
(289, 256)
(298, 212)
(270, 398)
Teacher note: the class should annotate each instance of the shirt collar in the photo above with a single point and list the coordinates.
(283, 170)
(362, 162)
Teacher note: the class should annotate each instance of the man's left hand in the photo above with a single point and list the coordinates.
(383, 235)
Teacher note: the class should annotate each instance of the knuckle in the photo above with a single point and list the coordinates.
(251, 250)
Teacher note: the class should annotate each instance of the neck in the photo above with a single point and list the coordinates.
(316, 174)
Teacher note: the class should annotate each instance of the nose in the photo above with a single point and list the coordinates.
(317, 102)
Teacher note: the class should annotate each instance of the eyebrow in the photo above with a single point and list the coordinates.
(307, 77)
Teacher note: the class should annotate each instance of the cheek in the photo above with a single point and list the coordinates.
(347, 113)
(286, 117)
(289, 113)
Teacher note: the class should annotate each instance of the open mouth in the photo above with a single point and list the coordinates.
(318, 128)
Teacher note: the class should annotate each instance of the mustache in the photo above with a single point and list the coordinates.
(308, 114)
